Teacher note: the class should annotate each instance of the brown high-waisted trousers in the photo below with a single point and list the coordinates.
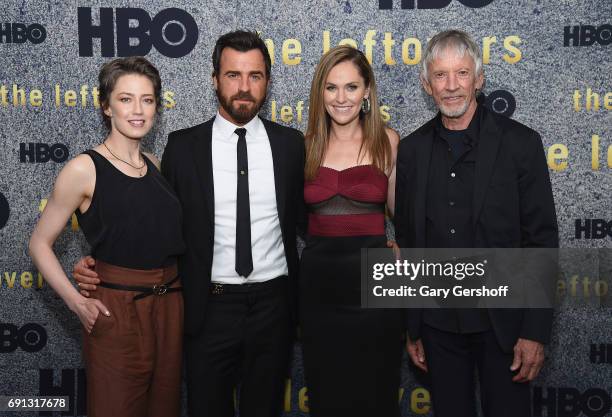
(133, 358)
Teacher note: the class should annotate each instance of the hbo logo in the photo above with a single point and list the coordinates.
(430, 4)
(593, 229)
(41, 152)
(587, 35)
(173, 32)
(501, 102)
(570, 402)
(20, 33)
(31, 337)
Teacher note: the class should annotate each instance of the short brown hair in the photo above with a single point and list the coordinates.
(111, 71)
(242, 41)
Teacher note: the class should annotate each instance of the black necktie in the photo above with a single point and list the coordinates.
(244, 258)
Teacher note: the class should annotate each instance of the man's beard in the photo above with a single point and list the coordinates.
(456, 112)
(243, 114)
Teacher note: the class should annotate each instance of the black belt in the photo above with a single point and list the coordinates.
(217, 288)
(157, 289)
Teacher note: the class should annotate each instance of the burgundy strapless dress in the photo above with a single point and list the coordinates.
(352, 356)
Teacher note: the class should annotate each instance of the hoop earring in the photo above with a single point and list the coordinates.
(365, 105)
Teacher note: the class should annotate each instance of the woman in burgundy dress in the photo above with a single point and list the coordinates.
(352, 355)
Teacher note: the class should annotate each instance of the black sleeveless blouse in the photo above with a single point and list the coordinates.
(133, 222)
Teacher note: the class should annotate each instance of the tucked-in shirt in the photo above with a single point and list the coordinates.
(450, 194)
(266, 238)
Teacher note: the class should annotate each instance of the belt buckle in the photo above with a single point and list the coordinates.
(160, 289)
(217, 289)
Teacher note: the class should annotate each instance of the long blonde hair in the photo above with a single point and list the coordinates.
(375, 142)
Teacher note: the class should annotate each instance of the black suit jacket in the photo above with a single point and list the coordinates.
(513, 207)
(187, 164)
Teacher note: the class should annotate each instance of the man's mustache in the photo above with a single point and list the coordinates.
(243, 96)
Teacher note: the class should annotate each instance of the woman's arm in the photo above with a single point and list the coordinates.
(394, 142)
(73, 189)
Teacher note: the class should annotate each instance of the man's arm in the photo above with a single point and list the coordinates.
(302, 215)
(538, 230)
(401, 222)
(399, 217)
(537, 206)
(167, 166)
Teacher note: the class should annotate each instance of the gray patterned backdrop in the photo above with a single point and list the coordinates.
(547, 65)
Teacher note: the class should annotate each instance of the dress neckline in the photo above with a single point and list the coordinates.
(146, 174)
(354, 167)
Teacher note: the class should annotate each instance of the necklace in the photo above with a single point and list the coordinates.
(126, 162)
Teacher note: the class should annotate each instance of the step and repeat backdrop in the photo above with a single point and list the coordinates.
(547, 64)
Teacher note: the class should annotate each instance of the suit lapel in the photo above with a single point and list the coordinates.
(488, 145)
(423, 158)
(279, 159)
(202, 154)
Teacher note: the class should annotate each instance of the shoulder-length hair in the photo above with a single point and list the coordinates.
(375, 143)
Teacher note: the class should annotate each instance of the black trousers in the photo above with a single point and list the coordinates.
(244, 348)
(453, 359)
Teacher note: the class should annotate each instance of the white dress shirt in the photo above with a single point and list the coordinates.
(266, 237)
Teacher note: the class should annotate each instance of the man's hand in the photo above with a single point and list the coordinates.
(529, 357)
(85, 275)
(417, 354)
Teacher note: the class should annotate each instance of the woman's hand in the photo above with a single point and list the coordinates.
(396, 249)
(88, 309)
(417, 354)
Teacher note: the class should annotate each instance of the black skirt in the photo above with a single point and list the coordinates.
(352, 355)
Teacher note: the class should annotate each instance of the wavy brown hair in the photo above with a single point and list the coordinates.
(375, 142)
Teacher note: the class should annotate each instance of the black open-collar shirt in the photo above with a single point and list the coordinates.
(450, 194)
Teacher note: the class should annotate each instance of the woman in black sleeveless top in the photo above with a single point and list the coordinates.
(132, 220)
